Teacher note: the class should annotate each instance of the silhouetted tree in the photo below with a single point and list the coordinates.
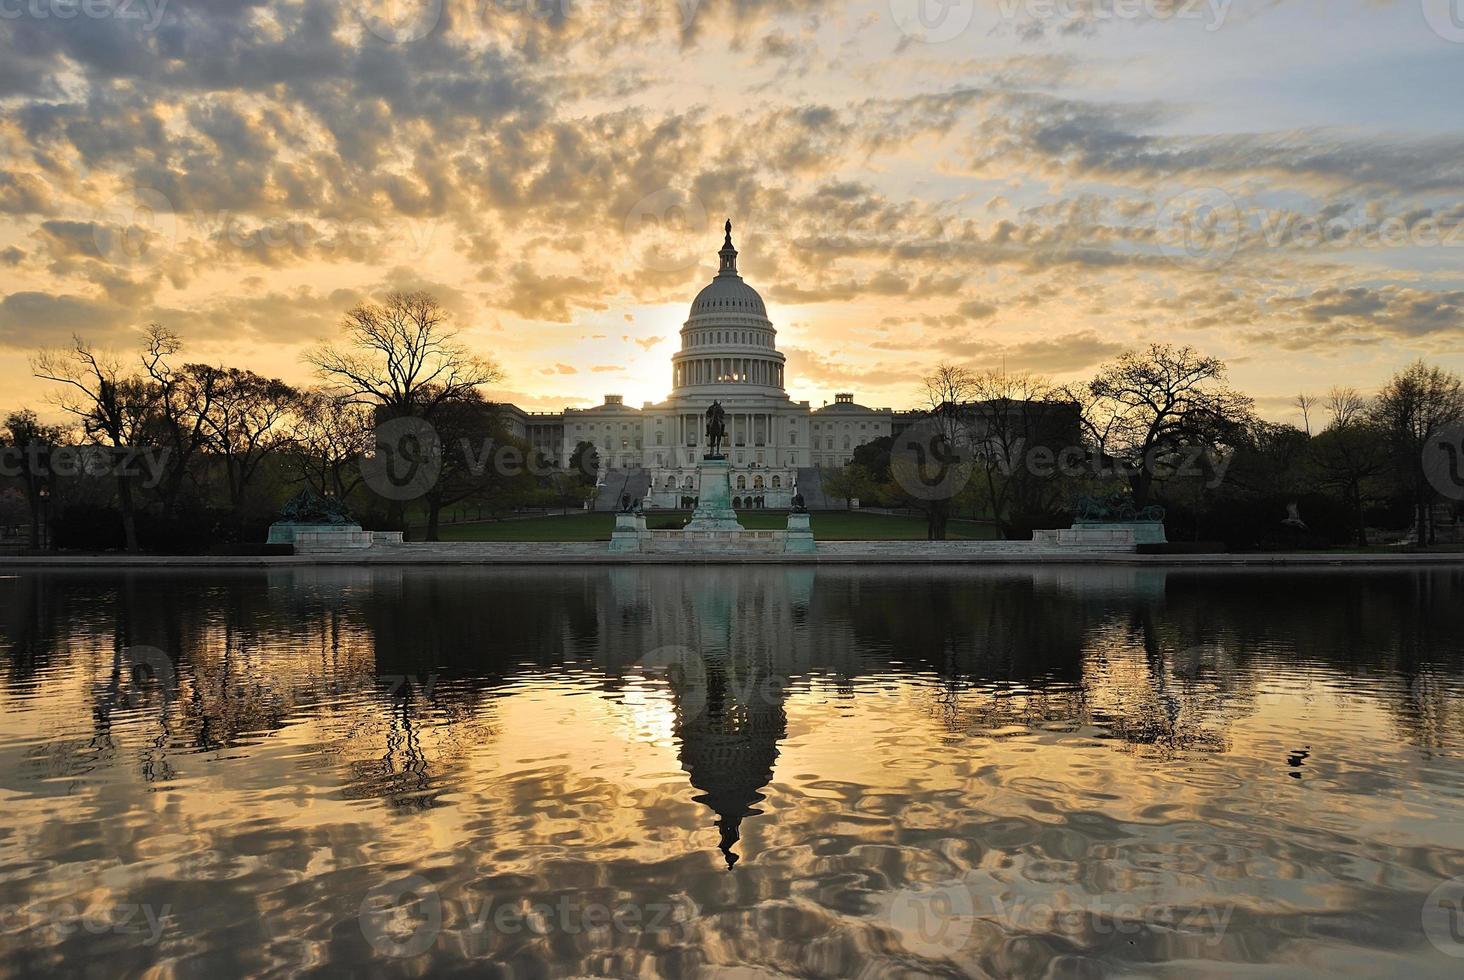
(480, 460)
(401, 357)
(32, 442)
(1350, 453)
(1146, 411)
(245, 423)
(183, 399)
(1018, 425)
(925, 454)
(844, 483)
(584, 462)
(116, 411)
(402, 360)
(1411, 410)
(331, 434)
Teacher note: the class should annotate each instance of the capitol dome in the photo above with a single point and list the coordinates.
(728, 293)
(728, 344)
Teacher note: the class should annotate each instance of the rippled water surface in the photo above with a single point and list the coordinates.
(681, 772)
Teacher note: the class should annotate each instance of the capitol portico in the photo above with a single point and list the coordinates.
(728, 353)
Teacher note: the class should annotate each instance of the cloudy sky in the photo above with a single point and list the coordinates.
(1035, 183)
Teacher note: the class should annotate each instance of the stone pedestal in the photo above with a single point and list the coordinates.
(1144, 532)
(627, 534)
(714, 502)
(799, 539)
(714, 528)
(319, 537)
(1085, 537)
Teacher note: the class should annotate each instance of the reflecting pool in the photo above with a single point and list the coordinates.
(732, 771)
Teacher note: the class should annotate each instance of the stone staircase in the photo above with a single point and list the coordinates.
(810, 484)
(636, 482)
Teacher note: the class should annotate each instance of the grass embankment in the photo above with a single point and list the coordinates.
(827, 526)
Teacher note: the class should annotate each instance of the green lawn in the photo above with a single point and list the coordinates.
(827, 526)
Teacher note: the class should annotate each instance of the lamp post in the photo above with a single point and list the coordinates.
(45, 517)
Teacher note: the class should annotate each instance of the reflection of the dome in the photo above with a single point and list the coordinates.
(730, 743)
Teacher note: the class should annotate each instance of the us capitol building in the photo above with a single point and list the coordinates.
(729, 353)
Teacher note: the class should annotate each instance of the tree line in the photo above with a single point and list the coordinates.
(160, 452)
(1161, 427)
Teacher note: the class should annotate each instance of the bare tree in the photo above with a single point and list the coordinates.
(1412, 408)
(33, 441)
(402, 360)
(471, 437)
(245, 423)
(1305, 403)
(331, 435)
(184, 400)
(400, 357)
(1350, 454)
(1346, 406)
(1012, 416)
(931, 460)
(115, 410)
(1146, 411)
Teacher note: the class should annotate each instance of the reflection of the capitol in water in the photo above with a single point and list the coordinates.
(729, 693)
(777, 752)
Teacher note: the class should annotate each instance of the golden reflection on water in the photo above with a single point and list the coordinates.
(1092, 770)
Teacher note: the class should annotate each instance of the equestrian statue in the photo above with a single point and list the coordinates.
(716, 430)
